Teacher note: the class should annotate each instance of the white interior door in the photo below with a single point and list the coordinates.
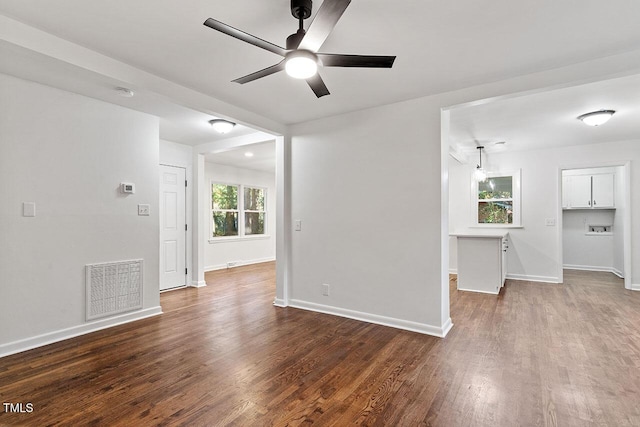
(173, 232)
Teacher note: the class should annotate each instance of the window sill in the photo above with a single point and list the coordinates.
(497, 226)
(238, 238)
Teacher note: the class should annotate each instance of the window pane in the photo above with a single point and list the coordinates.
(495, 212)
(253, 223)
(500, 187)
(225, 224)
(224, 196)
(254, 199)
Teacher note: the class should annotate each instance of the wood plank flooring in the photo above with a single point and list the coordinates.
(537, 354)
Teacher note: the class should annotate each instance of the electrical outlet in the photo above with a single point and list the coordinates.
(550, 222)
(325, 289)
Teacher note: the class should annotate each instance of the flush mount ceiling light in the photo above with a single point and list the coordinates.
(480, 174)
(124, 92)
(301, 64)
(221, 125)
(596, 118)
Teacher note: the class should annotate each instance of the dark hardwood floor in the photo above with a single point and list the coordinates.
(537, 354)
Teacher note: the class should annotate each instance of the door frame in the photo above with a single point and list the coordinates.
(626, 218)
(188, 234)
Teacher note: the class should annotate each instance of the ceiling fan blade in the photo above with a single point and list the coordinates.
(327, 17)
(365, 61)
(245, 37)
(262, 73)
(317, 85)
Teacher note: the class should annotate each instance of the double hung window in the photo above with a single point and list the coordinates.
(237, 210)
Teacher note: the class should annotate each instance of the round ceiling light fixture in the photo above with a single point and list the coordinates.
(301, 64)
(221, 125)
(596, 118)
(125, 92)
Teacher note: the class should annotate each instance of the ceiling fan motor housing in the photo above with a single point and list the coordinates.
(301, 9)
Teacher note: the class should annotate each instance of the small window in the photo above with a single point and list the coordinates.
(224, 208)
(254, 210)
(497, 200)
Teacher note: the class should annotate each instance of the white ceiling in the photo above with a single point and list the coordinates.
(263, 158)
(440, 46)
(549, 119)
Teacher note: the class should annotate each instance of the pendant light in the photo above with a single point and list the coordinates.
(480, 174)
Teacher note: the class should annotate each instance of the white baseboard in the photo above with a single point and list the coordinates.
(635, 286)
(239, 264)
(63, 334)
(479, 292)
(453, 271)
(594, 268)
(198, 284)
(423, 328)
(531, 278)
(278, 302)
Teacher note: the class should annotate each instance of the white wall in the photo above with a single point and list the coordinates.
(247, 250)
(587, 251)
(69, 154)
(368, 196)
(534, 250)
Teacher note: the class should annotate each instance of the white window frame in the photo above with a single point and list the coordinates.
(211, 210)
(244, 211)
(516, 200)
(241, 211)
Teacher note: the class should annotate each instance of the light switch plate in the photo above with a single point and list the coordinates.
(28, 209)
(144, 210)
(298, 225)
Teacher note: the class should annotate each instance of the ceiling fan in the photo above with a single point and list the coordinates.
(301, 57)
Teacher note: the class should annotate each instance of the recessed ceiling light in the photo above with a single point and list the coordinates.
(248, 154)
(221, 125)
(124, 92)
(596, 118)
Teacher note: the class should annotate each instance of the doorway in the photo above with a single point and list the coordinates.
(596, 219)
(173, 228)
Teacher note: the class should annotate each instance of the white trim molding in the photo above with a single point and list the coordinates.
(531, 278)
(198, 284)
(635, 286)
(75, 331)
(422, 328)
(278, 302)
(239, 264)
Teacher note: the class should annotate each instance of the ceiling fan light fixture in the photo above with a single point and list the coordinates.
(221, 125)
(301, 64)
(596, 118)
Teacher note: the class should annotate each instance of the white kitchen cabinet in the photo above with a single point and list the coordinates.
(602, 190)
(588, 191)
(482, 262)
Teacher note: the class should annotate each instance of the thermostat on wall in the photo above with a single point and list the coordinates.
(126, 187)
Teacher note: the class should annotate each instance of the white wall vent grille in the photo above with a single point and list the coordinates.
(113, 287)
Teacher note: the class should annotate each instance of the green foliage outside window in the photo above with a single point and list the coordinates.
(495, 201)
(224, 200)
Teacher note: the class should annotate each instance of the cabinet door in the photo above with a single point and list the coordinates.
(603, 191)
(579, 191)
